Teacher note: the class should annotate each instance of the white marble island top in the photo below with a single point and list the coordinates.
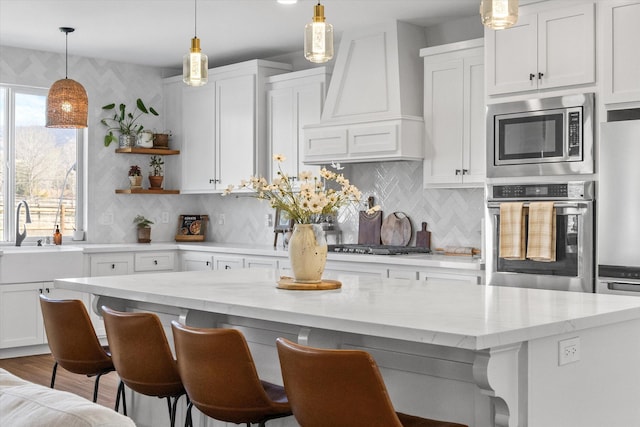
(454, 314)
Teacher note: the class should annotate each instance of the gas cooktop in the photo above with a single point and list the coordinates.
(377, 249)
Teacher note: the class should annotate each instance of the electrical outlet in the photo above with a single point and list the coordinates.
(165, 217)
(221, 219)
(268, 220)
(568, 351)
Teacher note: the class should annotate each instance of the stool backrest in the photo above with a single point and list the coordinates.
(141, 353)
(219, 374)
(334, 387)
(72, 338)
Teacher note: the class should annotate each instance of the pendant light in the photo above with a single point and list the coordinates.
(67, 102)
(318, 37)
(195, 63)
(499, 14)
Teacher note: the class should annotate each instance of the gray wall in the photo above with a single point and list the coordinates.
(454, 216)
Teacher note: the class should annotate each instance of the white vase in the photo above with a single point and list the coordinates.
(307, 253)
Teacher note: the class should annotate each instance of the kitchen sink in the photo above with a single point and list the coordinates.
(24, 264)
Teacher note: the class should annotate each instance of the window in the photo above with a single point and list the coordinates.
(40, 165)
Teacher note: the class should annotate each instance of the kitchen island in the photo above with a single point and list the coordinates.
(473, 354)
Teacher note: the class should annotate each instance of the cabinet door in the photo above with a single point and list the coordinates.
(474, 139)
(197, 261)
(402, 274)
(566, 46)
(111, 265)
(512, 57)
(20, 316)
(154, 261)
(308, 101)
(444, 113)
(198, 155)
(235, 129)
(261, 263)
(446, 277)
(621, 52)
(283, 129)
(228, 262)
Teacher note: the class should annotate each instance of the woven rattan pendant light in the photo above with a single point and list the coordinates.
(67, 101)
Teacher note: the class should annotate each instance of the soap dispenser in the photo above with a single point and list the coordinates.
(57, 236)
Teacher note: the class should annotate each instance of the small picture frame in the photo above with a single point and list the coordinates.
(282, 222)
(192, 228)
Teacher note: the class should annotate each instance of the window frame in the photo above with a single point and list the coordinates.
(9, 166)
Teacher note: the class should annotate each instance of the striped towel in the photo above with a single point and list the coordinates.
(541, 244)
(512, 243)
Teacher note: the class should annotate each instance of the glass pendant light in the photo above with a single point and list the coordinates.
(318, 37)
(195, 63)
(499, 14)
(67, 102)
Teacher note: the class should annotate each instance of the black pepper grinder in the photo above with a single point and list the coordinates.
(57, 236)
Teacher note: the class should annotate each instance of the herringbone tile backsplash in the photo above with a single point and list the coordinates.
(454, 216)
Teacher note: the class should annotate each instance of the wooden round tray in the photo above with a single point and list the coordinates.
(325, 284)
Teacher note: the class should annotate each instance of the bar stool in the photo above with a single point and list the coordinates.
(73, 341)
(142, 356)
(221, 379)
(340, 388)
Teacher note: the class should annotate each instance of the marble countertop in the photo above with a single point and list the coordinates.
(458, 315)
(409, 260)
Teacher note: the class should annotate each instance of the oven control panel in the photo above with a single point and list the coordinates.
(549, 191)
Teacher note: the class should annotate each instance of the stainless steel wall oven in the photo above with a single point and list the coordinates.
(573, 268)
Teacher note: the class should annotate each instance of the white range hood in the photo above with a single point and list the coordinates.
(373, 109)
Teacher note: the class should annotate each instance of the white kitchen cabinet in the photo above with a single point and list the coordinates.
(260, 262)
(395, 273)
(111, 264)
(227, 262)
(21, 322)
(549, 49)
(224, 127)
(621, 53)
(474, 277)
(336, 269)
(294, 100)
(454, 115)
(197, 261)
(154, 262)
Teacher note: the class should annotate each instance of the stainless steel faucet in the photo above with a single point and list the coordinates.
(21, 236)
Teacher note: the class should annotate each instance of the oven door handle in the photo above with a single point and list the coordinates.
(575, 205)
(623, 286)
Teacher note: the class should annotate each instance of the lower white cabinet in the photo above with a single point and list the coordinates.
(154, 262)
(260, 262)
(196, 261)
(111, 264)
(228, 262)
(21, 322)
(474, 277)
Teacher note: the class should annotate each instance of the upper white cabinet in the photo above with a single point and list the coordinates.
(293, 101)
(373, 110)
(621, 35)
(454, 109)
(224, 127)
(550, 49)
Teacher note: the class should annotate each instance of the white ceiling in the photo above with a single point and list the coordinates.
(158, 32)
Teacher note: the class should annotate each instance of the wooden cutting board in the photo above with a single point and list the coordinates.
(369, 226)
(396, 230)
(423, 237)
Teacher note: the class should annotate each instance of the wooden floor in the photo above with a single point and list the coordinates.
(37, 369)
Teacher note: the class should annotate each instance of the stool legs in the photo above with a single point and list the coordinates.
(124, 401)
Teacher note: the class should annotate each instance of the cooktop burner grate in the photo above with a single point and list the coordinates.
(377, 249)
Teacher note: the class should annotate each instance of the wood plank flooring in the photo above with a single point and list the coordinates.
(37, 369)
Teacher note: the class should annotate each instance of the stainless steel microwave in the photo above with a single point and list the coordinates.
(538, 137)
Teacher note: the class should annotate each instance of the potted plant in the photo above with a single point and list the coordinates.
(144, 231)
(125, 122)
(135, 176)
(155, 175)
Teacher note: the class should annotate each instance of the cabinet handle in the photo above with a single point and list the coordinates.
(465, 171)
(214, 181)
(47, 290)
(457, 171)
(155, 262)
(540, 76)
(531, 76)
(208, 263)
(41, 291)
(227, 267)
(113, 266)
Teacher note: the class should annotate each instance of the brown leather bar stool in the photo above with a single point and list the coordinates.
(142, 356)
(340, 388)
(73, 341)
(218, 371)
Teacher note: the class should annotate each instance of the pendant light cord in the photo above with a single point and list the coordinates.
(195, 18)
(66, 55)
